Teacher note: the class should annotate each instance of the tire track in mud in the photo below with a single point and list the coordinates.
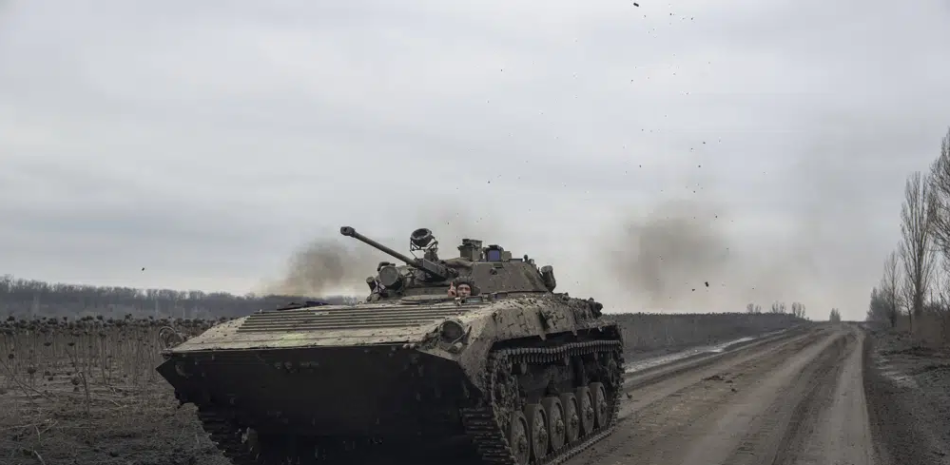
(661, 416)
(640, 367)
(655, 374)
(798, 391)
(644, 392)
(832, 423)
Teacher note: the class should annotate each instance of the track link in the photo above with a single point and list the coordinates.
(484, 423)
(228, 437)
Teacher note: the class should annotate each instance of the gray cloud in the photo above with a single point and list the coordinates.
(211, 143)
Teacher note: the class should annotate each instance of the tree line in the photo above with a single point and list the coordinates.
(24, 298)
(915, 282)
(797, 309)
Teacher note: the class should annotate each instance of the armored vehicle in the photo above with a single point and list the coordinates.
(473, 353)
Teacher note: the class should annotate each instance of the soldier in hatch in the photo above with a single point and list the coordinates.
(462, 288)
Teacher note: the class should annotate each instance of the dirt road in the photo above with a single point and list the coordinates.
(799, 400)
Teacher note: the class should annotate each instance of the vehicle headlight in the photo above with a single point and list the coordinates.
(451, 331)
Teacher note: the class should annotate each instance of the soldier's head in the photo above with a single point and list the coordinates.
(464, 287)
(463, 290)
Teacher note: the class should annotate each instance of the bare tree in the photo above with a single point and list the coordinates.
(778, 307)
(798, 309)
(940, 181)
(835, 316)
(940, 185)
(877, 310)
(750, 308)
(917, 242)
(889, 288)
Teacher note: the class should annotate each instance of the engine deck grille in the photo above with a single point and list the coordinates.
(323, 319)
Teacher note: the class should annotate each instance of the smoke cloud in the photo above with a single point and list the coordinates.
(325, 266)
(671, 257)
(670, 253)
(692, 256)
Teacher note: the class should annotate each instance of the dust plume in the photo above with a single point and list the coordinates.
(325, 266)
(689, 255)
(670, 253)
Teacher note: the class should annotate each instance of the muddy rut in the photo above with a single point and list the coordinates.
(796, 400)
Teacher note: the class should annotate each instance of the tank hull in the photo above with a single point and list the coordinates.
(391, 376)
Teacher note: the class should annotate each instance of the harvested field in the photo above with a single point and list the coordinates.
(86, 392)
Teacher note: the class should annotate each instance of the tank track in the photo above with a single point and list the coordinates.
(228, 437)
(483, 422)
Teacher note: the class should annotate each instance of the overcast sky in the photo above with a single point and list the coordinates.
(759, 146)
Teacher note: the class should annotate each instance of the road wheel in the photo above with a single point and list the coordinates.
(518, 438)
(538, 431)
(556, 425)
(601, 407)
(572, 418)
(585, 407)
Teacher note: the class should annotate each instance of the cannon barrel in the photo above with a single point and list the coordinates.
(350, 232)
(435, 270)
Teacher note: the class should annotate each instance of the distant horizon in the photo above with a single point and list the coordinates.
(128, 286)
(342, 295)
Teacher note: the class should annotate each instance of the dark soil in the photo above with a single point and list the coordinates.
(908, 392)
(63, 428)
